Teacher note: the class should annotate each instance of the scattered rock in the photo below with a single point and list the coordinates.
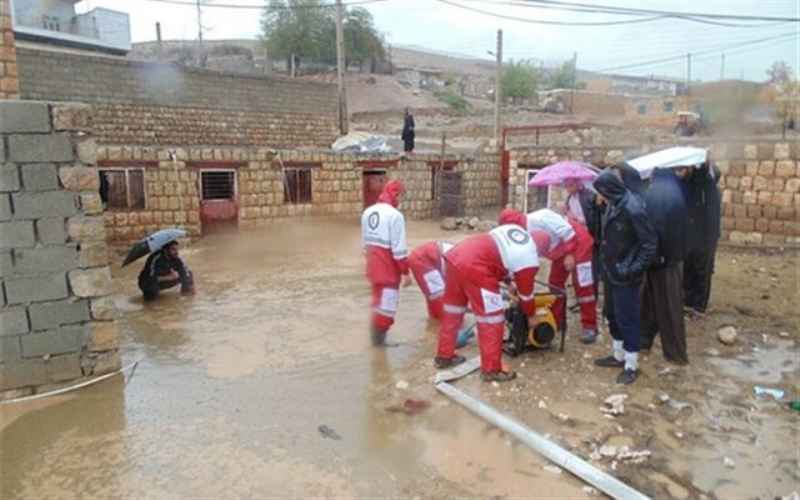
(635, 457)
(552, 468)
(729, 463)
(402, 385)
(614, 404)
(663, 398)
(473, 223)
(727, 335)
(449, 224)
(679, 434)
(608, 451)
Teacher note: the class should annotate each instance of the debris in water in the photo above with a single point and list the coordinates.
(328, 433)
(729, 463)
(402, 385)
(410, 407)
(615, 404)
(776, 394)
(552, 468)
(727, 335)
(608, 451)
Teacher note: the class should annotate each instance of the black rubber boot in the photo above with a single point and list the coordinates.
(627, 377)
(609, 362)
(442, 363)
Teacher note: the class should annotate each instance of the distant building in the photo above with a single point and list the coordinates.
(56, 22)
(632, 85)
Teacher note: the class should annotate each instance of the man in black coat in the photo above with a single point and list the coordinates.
(662, 300)
(705, 205)
(627, 249)
(408, 132)
(163, 270)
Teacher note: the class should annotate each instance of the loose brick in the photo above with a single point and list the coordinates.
(39, 148)
(39, 177)
(44, 260)
(9, 178)
(94, 282)
(50, 315)
(63, 340)
(46, 204)
(51, 230)
(36, 289)
(24, 116)
(13, 321)
(16, 234)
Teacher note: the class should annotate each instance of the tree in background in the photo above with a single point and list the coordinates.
(563, 77)
(520, 80)
(779, 73)
(307, 30)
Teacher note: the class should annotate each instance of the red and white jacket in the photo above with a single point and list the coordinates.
(487, 259)
(552, 233)
(383, 237)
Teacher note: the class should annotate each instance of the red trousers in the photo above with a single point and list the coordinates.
(483, 296)
(431, 283)
(584, 289)
(384, 306)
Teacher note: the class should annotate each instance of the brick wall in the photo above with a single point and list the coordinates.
(760, 185)
(173, 198)
(161, 104)
(56, 319)
(9, 87)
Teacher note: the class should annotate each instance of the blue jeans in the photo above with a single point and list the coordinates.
(623, 313)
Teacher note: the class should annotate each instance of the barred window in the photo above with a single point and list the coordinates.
(122, 188)
(297, 185)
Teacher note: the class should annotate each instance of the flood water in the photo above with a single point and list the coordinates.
(234, 383)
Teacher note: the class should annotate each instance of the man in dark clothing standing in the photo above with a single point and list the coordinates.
(627, 249)
(662, 300)
(165, 269)
(704, 204)
(408, 132)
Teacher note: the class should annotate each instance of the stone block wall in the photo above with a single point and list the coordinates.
(481, 183)
(760, 184)
(9, 85)
(56, 317)
(153, 104)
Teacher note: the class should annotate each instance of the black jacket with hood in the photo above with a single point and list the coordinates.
(629, 241)
(666, 208)
(704, 203)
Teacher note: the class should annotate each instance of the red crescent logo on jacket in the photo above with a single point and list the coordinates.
(518, 236)
(373, 220)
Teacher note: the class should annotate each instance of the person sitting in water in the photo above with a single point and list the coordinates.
(164, 270)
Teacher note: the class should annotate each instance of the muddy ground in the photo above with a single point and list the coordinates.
(264, 385)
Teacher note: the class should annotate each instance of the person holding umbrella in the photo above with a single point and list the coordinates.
(164, 268)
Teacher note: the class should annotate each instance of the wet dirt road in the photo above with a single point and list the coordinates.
(234, 384)
(264, 385)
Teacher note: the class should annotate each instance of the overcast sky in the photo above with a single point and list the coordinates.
(435, 25)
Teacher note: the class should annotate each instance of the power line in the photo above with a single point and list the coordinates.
(264, 7)
(676, 14)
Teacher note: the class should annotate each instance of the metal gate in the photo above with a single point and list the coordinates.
(219, 206)
(451, 202)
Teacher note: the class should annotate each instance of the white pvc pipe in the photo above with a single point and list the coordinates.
(559, 456)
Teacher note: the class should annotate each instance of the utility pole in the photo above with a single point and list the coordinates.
(159, 44)
(574, 81)
(722, 68)
(340, 67)
(688, 73)
(200, 35)
(498, 88)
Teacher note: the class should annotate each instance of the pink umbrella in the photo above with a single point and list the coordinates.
(557, 173)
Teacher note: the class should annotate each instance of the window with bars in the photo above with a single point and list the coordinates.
(122, 188)
(218, 185)
(297, 185)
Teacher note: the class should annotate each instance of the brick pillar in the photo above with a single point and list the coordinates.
(9, 84)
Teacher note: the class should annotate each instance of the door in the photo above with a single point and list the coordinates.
(373, 185)
(451, 203)
(219, 206)
(535, 197)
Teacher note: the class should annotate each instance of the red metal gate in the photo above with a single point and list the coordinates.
(219, 201)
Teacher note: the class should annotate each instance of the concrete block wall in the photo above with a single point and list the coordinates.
(56, 320)
(481, 183)
(760, 184)
(9, 84)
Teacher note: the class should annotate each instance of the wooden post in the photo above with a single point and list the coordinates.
(498, 88)
(340, 62)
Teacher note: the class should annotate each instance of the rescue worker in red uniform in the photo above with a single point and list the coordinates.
(569, 247)
(427, 266)
(383, 237)
(475, 268)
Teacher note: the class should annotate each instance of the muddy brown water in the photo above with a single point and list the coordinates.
(235, 383)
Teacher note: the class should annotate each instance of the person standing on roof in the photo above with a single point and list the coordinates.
(383, 238)
(475, 268)
(408, 132)
(427, 266)
(568, 245)
(627, 250)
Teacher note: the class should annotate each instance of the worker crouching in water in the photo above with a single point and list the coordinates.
(568, 245)
(164, 269)
(475, 268)
(627, 250)
(427, 266)
(383, 237)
